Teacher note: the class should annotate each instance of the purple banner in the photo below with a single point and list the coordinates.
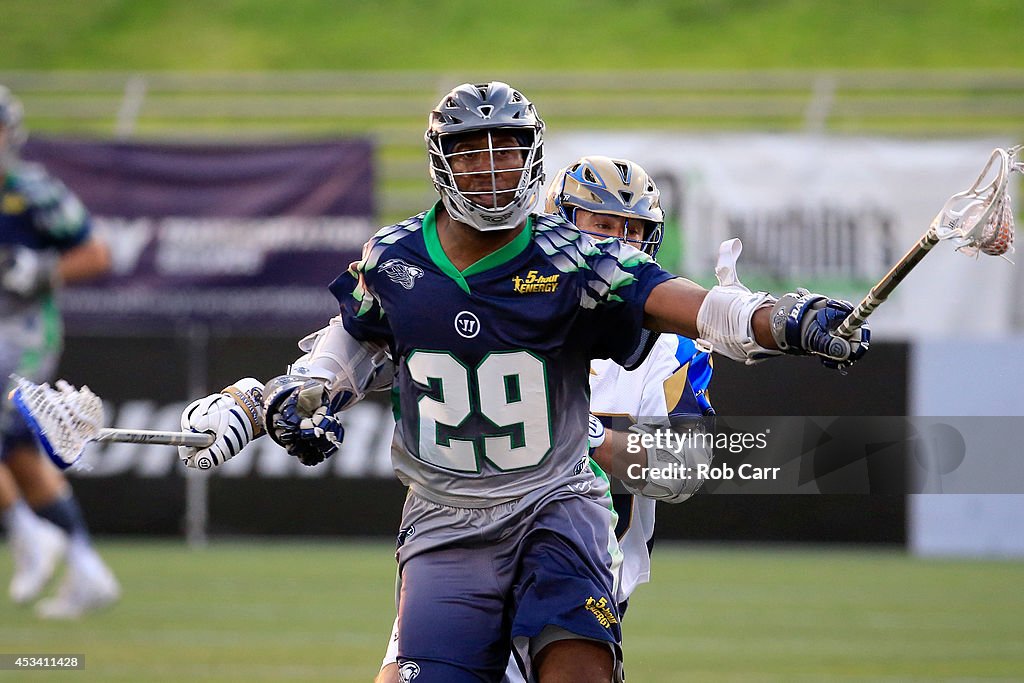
(235, 236)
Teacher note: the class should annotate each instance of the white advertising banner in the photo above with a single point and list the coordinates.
(827, 213)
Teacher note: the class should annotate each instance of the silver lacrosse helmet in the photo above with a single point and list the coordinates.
(481, 113)
(11, 115)
(618, 187)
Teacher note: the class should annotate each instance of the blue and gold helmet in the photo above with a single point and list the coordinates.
(617, 187)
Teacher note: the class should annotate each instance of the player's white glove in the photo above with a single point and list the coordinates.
(26, 272)
(234, 416)
(803, 323)
(670, 474)
(299, 416)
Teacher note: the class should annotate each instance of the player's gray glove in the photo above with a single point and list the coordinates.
(26, 272)
(234, 416)
(673, 469)
(804, 323)
(299, 417)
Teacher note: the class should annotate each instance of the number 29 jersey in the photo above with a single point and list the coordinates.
(492, 390)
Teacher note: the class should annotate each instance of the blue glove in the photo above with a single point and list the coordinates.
(804, 323)
(299, 418)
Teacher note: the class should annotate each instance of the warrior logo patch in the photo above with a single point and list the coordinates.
(467, 324)
(401, 272)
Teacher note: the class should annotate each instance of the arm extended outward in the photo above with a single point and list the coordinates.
(751, 326)
(297, 409)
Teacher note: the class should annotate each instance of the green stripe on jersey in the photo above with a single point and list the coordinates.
(492, 260)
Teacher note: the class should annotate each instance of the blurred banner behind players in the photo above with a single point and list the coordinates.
(242, 237)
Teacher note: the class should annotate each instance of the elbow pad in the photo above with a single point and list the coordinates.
(348, 367)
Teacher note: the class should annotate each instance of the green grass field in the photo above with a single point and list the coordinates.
(587, 35)
(276, 611)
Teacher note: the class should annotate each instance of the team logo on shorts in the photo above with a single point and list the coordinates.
(467, 324)
(408, 671)
(601, 611)
(404, 533)
(580, 487)
(401, 272)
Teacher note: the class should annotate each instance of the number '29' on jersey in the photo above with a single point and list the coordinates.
(492, 388)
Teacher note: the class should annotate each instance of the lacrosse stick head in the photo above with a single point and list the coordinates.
(980, 219)
(62, 418)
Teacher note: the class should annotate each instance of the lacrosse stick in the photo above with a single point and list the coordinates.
(64, 419)
(979, 220)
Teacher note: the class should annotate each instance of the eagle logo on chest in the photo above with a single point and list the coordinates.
(402, 273)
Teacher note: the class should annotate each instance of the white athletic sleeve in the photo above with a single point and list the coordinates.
(724, 318)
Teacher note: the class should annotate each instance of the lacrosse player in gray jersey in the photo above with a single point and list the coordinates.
(492, 315)
(616, 198)
(45, 239)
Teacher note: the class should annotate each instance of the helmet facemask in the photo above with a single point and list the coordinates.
(485, 145)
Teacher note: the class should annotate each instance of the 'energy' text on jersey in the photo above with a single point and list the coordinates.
(534, 283)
